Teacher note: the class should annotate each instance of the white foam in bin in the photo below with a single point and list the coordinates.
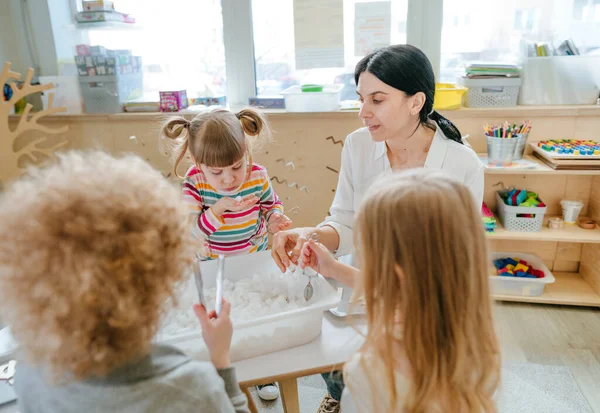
(326, 101)
(517, 285)
(264, 334)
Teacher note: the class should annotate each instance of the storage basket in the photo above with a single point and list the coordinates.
(494, 92)
(106, 94)
(511, 219)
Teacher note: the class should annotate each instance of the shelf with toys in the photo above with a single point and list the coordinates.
(570, 233)
(561, 170)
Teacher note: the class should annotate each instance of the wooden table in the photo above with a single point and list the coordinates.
(339, 339)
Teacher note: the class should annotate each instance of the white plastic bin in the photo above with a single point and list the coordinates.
(494, 92)
(265, 334)
(106, 94)
(511, 221)
(560, 80)
(326, 101)
(527, 287)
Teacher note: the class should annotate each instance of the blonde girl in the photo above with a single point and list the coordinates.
(430, 345)
(231, 196)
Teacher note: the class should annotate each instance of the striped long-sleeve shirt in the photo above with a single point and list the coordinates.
(234, 232)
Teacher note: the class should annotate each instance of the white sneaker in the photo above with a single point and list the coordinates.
(268, 391)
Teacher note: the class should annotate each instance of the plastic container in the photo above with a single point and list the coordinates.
(106, 94)
(560, 80)
(265, 334)
(571, 210)
(327, 100)
(512, 218)
(448, 96)
(501, 151)
(521, 143)
(494, 92)
(527, 287)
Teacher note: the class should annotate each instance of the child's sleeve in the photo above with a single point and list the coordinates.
(205, 220)
(269, 201)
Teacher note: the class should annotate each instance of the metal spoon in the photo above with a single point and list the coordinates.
(309, 290)
(220, 275)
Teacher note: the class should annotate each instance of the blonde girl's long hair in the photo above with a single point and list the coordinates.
(423, 255)
(217, 138)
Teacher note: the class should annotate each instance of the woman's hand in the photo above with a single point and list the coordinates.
(216, 333)
(233, 205)
(278, 222)
(316, 256)
(287, 246)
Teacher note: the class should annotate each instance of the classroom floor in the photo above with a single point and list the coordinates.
(549, 352)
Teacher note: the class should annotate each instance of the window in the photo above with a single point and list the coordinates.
(181, 44)
(274, 45)
(496, 29)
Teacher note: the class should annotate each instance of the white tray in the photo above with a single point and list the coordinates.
(501, 285)
(265, 334)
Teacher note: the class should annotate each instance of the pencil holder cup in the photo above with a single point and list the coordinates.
(521, 139)
(501, 151)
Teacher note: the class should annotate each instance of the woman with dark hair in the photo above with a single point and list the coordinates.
(396, 86)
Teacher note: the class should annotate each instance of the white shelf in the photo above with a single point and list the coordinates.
(570, 233)
(540, 169)
(107, 25)
(568, 289)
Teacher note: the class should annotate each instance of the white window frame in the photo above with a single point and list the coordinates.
(424, 30)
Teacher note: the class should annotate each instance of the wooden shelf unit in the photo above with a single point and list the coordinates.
(578, 288)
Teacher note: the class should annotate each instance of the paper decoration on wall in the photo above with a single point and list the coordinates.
(286, 163)
(290, 185)
(335, 141)
(38, 149)
(324, 47)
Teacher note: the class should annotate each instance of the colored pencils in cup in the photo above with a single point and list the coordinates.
(506, 130)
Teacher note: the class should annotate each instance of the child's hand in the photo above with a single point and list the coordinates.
(216, 333)
(316, 256)
(233, 205)
(278, 222)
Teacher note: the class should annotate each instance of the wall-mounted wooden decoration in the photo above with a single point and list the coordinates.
(36, 151)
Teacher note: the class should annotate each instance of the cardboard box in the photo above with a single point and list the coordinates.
(98, 51)
(83, 49)
(267, 102)
(98, 5)
(103, 16)
(99, 60)
(209, 101)
(124, 60)
(173, 101)
(89, 61)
